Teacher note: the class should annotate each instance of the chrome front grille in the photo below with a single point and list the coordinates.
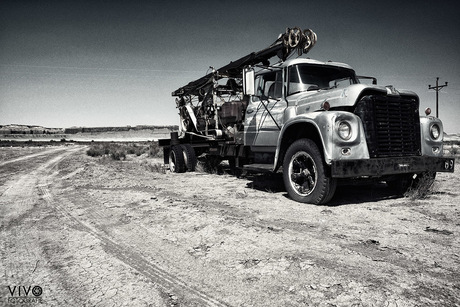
(391, 124)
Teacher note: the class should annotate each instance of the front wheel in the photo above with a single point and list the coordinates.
(304, 174)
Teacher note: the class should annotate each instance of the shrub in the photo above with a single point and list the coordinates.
(210, 164)
(119, 151)
(155, 151)
(421, 187)
(134, 149)
(155, 167)
(118, 154)
(95, 151)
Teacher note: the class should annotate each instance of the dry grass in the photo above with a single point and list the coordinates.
(119, 151)
(154, 167)
(210, 164)
(421, 187)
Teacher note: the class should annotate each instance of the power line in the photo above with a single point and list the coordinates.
(100, 68)
(437, 88)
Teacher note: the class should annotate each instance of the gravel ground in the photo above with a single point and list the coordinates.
(97, 232)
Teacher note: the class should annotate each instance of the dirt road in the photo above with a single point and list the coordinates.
(96, 232)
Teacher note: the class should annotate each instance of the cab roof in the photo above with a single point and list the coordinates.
(312, 62)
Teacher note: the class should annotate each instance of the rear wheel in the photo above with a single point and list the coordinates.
(304, 174)
(176, 159)
(189, 157)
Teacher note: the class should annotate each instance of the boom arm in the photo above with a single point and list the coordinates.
(293, 39)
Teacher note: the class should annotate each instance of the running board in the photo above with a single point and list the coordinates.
(258, 167)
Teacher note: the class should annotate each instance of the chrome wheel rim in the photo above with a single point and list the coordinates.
(303, 174)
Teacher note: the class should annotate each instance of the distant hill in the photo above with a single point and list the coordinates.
(26, 129)
(33, 129)
(451, 138)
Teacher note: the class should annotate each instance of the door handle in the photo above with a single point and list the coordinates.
(249, 111)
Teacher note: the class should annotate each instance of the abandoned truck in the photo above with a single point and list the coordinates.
(314, 121)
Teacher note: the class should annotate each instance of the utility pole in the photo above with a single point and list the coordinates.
(437, 88)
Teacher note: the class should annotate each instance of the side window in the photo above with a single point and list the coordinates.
(270, 85)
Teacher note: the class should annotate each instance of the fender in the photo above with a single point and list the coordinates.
(319, 120)
(325, 133)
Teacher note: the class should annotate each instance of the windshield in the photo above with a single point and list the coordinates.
(305, 77)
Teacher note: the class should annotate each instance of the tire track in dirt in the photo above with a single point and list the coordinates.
(19, 195)
(30, 156)
(19, 212)
(167, 282)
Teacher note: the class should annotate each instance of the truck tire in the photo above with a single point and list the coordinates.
(189, 157)
(304, 174)
(400, 184)
(176, 159)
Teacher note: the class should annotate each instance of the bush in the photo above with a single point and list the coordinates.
(134, 149)
(421, 186)
(155, 167)
(155, 151)
(119, 151)
(118, 154)
(115, 151)
(454, 150)
(95, 151)
(210, 164)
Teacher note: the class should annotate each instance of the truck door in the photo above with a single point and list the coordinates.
(264, 114)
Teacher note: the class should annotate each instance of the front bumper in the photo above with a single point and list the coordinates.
(390, 166)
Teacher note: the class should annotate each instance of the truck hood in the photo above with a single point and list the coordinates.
(348, 96)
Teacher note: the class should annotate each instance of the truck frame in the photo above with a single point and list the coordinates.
(317, 122)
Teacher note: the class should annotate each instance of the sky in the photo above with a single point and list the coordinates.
(115, 63)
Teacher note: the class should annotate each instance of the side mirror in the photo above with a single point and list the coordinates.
(248, 81)
(374, 80)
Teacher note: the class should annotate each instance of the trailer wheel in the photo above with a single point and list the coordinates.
(189, 157)
(304, 174)
(176, 159)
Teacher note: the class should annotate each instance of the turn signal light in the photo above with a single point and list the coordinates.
(325, 106)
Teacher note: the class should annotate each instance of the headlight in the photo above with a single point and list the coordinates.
(344, 130)
(435, 131)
